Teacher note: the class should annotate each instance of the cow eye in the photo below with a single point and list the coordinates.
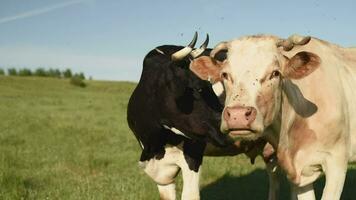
(275, 74)
(225, 76)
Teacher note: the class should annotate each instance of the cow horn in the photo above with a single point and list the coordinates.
(299, 40)
(197, 52)
(219, 47)
(186, 50)
(286, 44)
(292, 40)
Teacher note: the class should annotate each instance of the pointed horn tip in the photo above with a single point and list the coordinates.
(186, 50)
(305, 40)
(206, 42)
(194, 41)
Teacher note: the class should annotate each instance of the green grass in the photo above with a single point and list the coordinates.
(59, 141)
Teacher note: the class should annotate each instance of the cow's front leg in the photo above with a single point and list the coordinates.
(190, 165)
(272, 168)
(190, 184)
(335, 172)
(303, 193)
(272, 171)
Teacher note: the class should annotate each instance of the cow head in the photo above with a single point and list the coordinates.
(196, 106)
(253, 76)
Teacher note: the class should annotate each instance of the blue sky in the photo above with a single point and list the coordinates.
(108, 39)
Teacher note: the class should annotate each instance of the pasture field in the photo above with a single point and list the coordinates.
(58, 141)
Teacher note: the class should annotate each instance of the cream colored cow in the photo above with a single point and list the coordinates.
(300, 95)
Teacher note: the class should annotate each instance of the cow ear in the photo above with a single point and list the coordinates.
(301, 65)
(206, 68)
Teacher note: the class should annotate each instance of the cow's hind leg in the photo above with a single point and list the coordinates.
(190, 183)
(163, 171)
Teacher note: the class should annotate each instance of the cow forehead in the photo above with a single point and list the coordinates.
(251, 57)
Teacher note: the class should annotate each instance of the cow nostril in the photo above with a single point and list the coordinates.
(227, 114)
(248, 113)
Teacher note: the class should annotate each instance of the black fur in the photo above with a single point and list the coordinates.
(168, 93)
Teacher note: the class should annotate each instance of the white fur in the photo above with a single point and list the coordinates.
(176, 131)
(141, 144)
(218, 88)
(163, 172)
(159, 51)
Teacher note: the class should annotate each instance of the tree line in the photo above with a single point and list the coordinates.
(42, 72)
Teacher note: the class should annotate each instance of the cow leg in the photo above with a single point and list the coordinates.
(190, 164)
(303, 193)
(190, 184)
(163, 171)
(272, 171)
(167, 192)
(335, 174)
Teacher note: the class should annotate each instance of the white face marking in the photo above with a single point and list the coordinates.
(249, 63)
(176, 131)
(218, 88)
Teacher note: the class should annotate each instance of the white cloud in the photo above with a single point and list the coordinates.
(100, 67)
(39, 11)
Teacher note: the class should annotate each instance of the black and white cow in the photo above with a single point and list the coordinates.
(174, 115)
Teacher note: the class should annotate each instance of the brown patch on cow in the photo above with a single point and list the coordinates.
(265, 102)
(301, 65)
(206, 68)
(300, 136)
(285, 160)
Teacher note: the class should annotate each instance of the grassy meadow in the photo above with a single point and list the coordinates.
(59, 141)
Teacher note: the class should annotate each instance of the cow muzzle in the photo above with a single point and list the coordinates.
(239, 120)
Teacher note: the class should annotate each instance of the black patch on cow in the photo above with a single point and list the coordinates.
(193, 153)
(168, 93)
(185, 102)
(155, 148)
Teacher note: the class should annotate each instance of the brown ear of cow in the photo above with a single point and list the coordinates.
(206, 68)
(301, 65)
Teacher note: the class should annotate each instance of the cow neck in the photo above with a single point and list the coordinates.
(290, 136)
(286, 118)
